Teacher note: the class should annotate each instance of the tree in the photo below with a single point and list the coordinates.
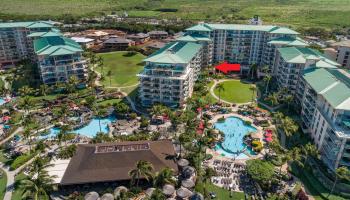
(261, 171)
(37, 186)
(43, 89)
(208, 173)
(165, 176)
(64, 131)
(26, 103)
(273, 98)
(27, 136)
(220, 88)
(72, 84)
(252, 70)
(142, 169)
(101, 113)
(340, 173)
(121, 108)
(25, 90)
(289, 126)
(157, 195)
(100, 64)
(109, 74)
(253, 89)
(295, 155)
(267, 80)
(288, 99)
(309, 150)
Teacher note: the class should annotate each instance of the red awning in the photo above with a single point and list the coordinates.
(226, 67)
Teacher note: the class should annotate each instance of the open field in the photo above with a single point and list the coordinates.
(235, 92)
(298, 13)
(123, 68)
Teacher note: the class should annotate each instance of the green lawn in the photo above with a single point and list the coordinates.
(108, 102)
(123, 68)
(3, 181)
(223, 194)
(235, 92)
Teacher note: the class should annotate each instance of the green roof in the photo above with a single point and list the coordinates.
(243, 27)
(175, 52)
(289, 41)
(56, 45)
(38, 24)
(332, 83)
(193, 38)
(299, 55)
(44, 34)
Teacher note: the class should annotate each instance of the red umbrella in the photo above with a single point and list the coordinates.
(268, 139)
(268, 134)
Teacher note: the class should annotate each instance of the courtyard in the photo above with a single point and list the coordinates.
(234, 91)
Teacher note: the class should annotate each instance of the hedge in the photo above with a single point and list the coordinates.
(20, 160)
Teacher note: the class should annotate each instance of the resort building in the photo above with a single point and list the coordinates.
(246, 44)
(84, 42)
(169, 74)
(14, 43)
(343, 53)
(59, 58)
(324, 93)
(111, 162)
(291, 61)
(117, 44)
(158, 35)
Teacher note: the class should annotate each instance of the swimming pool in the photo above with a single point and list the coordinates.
(89, 130)
(2, 101)
(234, 130)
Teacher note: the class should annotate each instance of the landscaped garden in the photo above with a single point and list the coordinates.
(120, 68)
(234, 91)
(3, 180)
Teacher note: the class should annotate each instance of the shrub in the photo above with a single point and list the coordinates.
(221, 120)
(248, 123)
(20, 160)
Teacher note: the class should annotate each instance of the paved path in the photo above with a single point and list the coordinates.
(19, 129)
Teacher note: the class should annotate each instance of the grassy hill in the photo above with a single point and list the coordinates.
(299, 13)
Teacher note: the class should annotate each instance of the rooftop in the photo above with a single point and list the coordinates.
(56, 45)
(38, 24)
(157, 32)
(82, 39)
(344, 43)
(299, 55)
(175, 52)
(112, 161)
(243, 27)
(117, 40)
(193, 38)
(45, 34)
(332, 83)
(289, 41)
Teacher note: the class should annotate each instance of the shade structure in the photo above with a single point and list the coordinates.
(187, 172)
(197, 196)
(268, 134)
(183, 162)
(188, 183)
(107, 196)
(168, 189)
(119, 190)
(226, 67)
(183, 193)
(91, 196)
(268, 139)
(150, 191)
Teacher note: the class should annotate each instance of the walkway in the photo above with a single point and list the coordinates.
(19, 129)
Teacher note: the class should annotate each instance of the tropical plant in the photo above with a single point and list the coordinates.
(273, 98)
(109, 74)
(25, 90)
(288, 99)
(267, 80)
(165, 176)
(100, 114)
(26, 103)
(252, 70)
(27, 135)
(289, 126)
(143, 169)
(157, 195)
(309, 150)
(261, 171)
(295, 155)
(340, 173)
(220, 88)
(208, 173)
(121, 108)
(37, 186)
(100, 64)
(253, 89)
(64, 131)
(43, 89)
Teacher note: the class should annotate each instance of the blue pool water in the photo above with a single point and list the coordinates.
(89, 130)
(234, 130)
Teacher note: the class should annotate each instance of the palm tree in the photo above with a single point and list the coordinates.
(109, 74)
(25, 90)
(157, 109)
(253, 69)
(267, 80)
(309, 150)
(101, 113)
(208, 173)
(100, 64)
(294, 155)
(37, 186)
(288, 99)
(273, 98)
(220, 88)
(26, 102)
(165, 176)
(289, 126)
(44, 89)
(27, 135)
(142, 169)
(64, 131)
(340, 173)
(72, 84)
(253, 89)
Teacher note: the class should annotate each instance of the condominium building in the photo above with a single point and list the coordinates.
(14, 43)
(247, 44)
(343, 53)
(169, 74)
(291, 61)
(324, 93)
(59, 58)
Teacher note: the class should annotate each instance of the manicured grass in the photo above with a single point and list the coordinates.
(223, 193)
(123, 68)
(235, 92)
(109, 102)
(209, 96)
(3, 181)
(17, 193)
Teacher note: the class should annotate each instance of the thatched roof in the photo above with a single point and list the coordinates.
(168, 189)
(107, 196)
(91, 196)
(183, 192)
(118, 190)
(188, 183)
(183, 162)
(150, 191)
(188, 171)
